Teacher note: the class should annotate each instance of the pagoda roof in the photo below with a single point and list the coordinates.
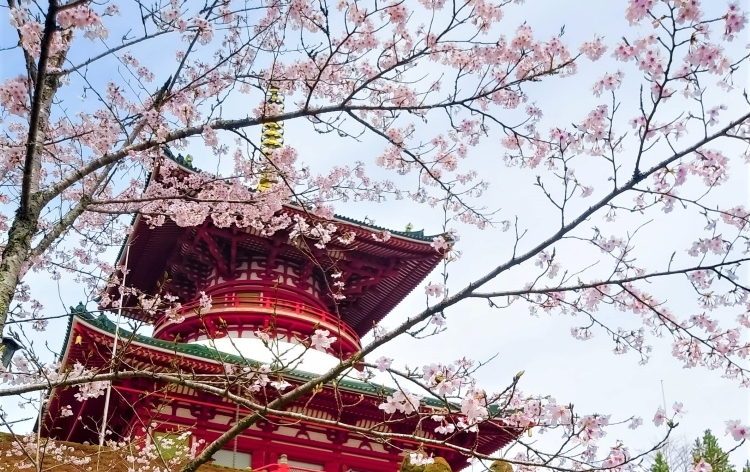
(103, 323)
(406, 259)
(186, 165)
(402, 264)
(198, 358)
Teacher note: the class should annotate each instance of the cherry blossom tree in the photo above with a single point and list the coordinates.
(91, 117)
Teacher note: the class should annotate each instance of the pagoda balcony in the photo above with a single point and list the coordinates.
(236, 314)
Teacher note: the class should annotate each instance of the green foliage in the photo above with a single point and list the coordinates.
(707, 449)
(406, 466)
(440, 465)
(660, 464)
(170, 445)
(501, 466)
(747, 467)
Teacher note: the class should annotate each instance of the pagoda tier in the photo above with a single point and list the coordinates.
(269, 282)
(142, 406)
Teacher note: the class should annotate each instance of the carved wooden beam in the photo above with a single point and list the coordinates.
(221, 264)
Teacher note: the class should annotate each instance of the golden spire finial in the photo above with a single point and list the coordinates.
(272, 137)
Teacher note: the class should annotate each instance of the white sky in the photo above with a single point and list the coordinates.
(584, 373)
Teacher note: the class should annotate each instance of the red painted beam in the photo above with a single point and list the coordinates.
(247, 412)
(75, 421)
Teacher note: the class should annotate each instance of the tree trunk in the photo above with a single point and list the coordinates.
(14, 256)
(24, 226)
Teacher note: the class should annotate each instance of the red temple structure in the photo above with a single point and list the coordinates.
(265, 283)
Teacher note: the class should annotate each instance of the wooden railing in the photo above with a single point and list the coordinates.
(256, 301)
(283, 466)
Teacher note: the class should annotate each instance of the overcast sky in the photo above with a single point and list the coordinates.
(587, 374)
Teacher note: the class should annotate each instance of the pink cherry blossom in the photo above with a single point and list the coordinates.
(383, 363)
(735, 21)
(383, 236)
(434, 290)
(701, 466)
(205, 302)
(280, 385)
(420, 459)
(440, 244)
(617, 456)
(91, 390)
(66, 411)
(635, 423)
(13, 96)
(379, 331)
(438, 320)
(638, 9)
(557, 414)
(401, 401)
(474, 407)
(322, 340)
(659, 417)
(444, 427)
(624, 52)
(608, 82)
(263, 336)
(593, 49)
(737, 430)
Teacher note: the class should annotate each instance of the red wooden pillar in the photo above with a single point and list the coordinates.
(260, 458)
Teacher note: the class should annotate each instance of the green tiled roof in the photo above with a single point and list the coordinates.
(199, 350)
(418, 235)
(184, 161)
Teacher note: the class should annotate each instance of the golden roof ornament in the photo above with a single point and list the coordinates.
(272, 137)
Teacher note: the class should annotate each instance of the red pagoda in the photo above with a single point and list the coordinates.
(257, 283)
